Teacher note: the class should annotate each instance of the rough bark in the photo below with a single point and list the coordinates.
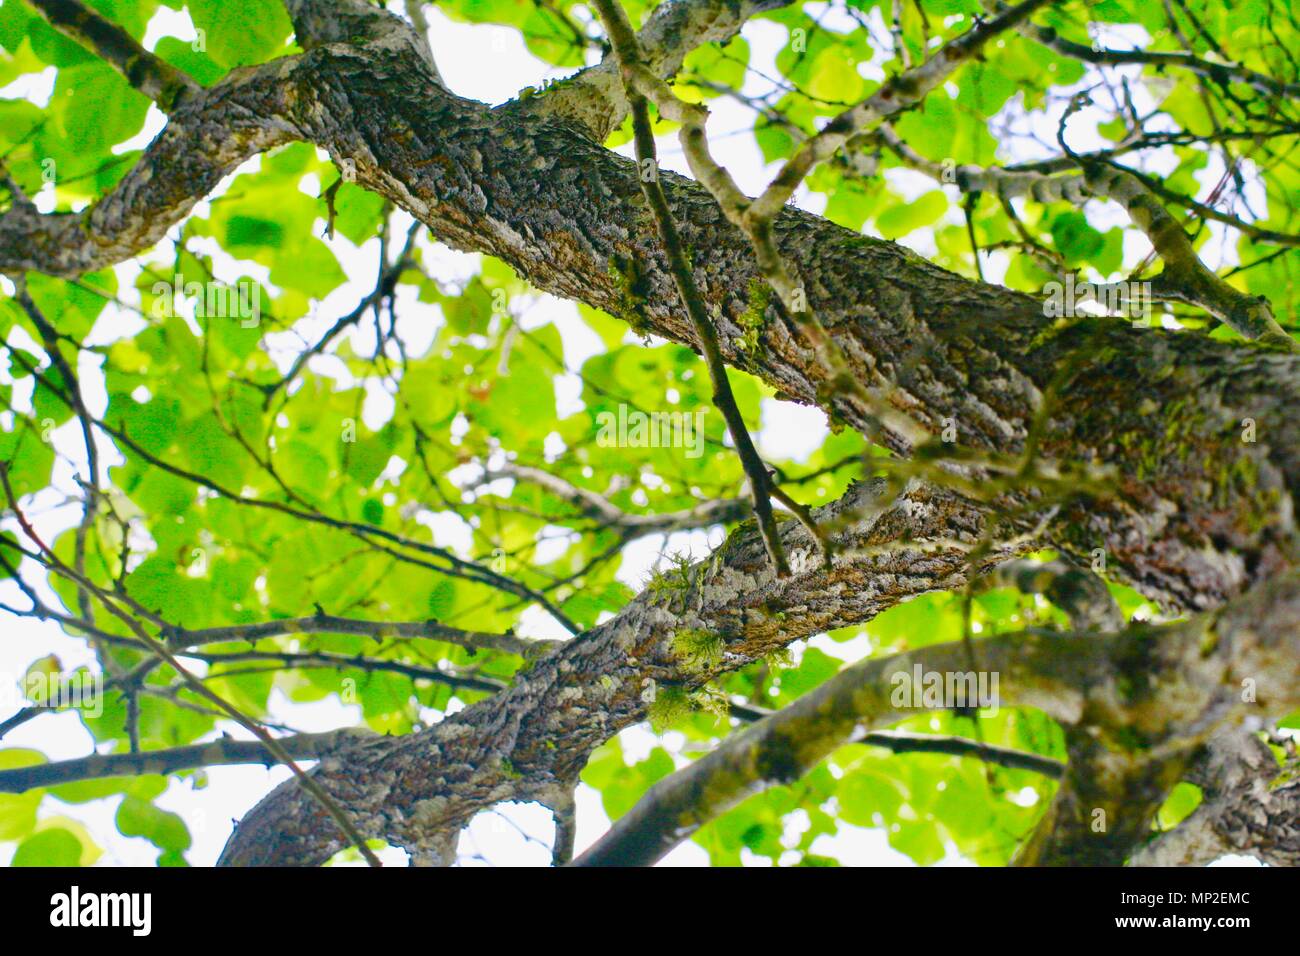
(1249, 805)
(1190, 512)
(594, 101)
(1197, 514)
(1139, 703)
(418, 790)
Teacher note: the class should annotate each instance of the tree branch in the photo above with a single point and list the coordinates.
(1222, 73)
(1185, 277)
(595, 100)
(424, 786)
(1078, 680)
(222, 752)
(308, 660)
(718, 511)
(318, 23)
(151, 75)
(379, 630)
(902, 742)
(761, 486)
(207, 136)
(1249, 806)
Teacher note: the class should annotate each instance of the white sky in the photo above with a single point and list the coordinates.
(788, 430)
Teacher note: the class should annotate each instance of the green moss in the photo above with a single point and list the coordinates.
(782, 657)
(548, 85)
(673, 580)
(1271, 342)
(632, 290)
(754, 318)
(1209, 641)
(670, 705)
(674, 703)
(745, 528)
(1129, 739)
(725, 551)
(698, 649)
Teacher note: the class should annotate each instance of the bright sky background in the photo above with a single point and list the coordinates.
(490, 64)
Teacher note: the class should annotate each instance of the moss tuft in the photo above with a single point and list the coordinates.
(673, 704)
(675, 579)
(754, 318)
(698, 649)
(670, 705)
(632, 292)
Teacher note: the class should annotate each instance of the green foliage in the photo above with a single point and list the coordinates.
(233, 496)
(240, 32)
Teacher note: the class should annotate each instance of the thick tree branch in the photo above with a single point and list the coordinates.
(756, 218)
(1105, 803)
(1081, 681)
(423, 787)
(791, 742)
(1249, 806)
(1083, 596)
(208, 135)
(318, 23)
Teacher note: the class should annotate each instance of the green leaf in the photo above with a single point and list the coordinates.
(94, 108)
(241, 32)
(53, 847)
(1180, 804)
(165, 830)
(357, 212)
(195, 63)
(18, 810)
(907, 217)
(1075, 239)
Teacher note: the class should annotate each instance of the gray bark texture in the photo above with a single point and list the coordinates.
(1146, 428)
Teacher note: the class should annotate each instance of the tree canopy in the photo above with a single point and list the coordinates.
(328, 388)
